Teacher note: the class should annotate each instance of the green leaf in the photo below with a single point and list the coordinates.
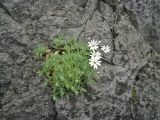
(55, 98)
(83, 90)
(92, 82)
(59, 41)
(40, 50)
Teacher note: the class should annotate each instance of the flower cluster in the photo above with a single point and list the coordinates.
(95, 54)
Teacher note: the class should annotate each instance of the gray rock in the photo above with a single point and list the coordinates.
(128, 81)
(5, 58)
(148, 14)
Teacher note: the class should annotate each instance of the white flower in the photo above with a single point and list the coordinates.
(105, 49)
(96, 55)
(94, 62)
(93, 45)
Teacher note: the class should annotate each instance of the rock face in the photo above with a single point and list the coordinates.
(148, 14)
(128, 86)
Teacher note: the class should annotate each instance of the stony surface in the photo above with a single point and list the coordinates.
(128, 86)
(148, 14)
